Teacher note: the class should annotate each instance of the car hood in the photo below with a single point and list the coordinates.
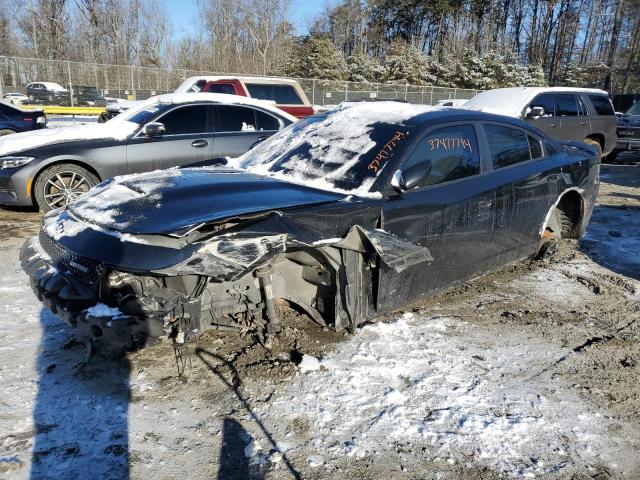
(168, 201)
(629, 121)
(28, 141)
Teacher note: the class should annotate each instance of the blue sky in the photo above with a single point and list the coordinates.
(183, 14)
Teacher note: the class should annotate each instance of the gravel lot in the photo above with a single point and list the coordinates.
(531, 371)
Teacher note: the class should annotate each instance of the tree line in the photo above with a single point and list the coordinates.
(460, 43)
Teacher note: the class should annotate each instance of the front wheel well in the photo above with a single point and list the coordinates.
(32, 184)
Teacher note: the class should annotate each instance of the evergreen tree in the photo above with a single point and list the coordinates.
(362, 68)
(573, 76)
(405, 64)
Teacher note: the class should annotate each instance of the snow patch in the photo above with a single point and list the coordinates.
(433, 381)
(102, 310)
(19, 142)
(309, 364)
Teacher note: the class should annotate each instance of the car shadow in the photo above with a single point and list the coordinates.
(81, 409)
(613, 239)
(239, 438)
(233, 462)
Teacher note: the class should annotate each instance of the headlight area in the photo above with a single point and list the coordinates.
(14, 161)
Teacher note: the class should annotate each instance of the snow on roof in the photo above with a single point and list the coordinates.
(337, 144)
(56, 87)
(19, 142)
(512, 101)
(188, 84)
(178, 98)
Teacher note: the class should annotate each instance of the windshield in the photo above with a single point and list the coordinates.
(634, 110)
(342, 150)
(140, 114)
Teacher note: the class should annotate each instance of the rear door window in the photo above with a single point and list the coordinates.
(185, 120)
(233, 118)
(447, 154)
(545, 101)
(266, 121)
(602, 104)
(566, 105)
(508, 145)
(281, 94)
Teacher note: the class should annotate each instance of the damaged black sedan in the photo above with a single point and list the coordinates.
(344, 215)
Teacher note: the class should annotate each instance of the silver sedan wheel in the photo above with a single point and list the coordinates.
(63, 187)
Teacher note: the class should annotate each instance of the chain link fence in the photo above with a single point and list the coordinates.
(75, 84)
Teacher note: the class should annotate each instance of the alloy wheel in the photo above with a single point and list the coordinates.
(63, 187)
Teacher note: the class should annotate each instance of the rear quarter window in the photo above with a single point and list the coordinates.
(602, 104)
(281, 94)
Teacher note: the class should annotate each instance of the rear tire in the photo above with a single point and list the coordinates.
(58, 185)
(595, 144)
(6, 131)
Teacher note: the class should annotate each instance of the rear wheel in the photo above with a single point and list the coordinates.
(6, 131)
(57, 186)
(595, 144)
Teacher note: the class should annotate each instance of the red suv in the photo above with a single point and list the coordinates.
(286, 94)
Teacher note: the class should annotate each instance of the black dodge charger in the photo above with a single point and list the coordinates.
(345, 215)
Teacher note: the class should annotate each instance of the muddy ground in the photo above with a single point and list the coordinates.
(531, 371)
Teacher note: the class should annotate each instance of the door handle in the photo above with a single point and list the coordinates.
(263, 137)
(485, 203)
(553, 125)
(199, 143)
(583, 123)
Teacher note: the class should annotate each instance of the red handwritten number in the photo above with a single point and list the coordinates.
(450, 143)
(383, 155)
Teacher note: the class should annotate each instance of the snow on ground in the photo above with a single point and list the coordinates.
(443, 383)
(498, 381)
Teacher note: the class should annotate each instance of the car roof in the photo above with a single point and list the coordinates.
(458, 114)
(187, 83)
(220, 98)
(511, 101)
(50, 85)
(419, 115)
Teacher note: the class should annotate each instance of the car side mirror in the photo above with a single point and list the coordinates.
(535, 112)
(153, 129)
(404, 180)
(397, 181)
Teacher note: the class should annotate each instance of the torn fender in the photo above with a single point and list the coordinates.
(229, 256)
(395, 252)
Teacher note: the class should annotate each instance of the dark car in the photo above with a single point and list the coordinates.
(87, 96)
(50, 93)
(628, 132)
(51, 167)
(346, 215)
(14, 120)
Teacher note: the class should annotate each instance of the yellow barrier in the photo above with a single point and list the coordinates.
(54, 110)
